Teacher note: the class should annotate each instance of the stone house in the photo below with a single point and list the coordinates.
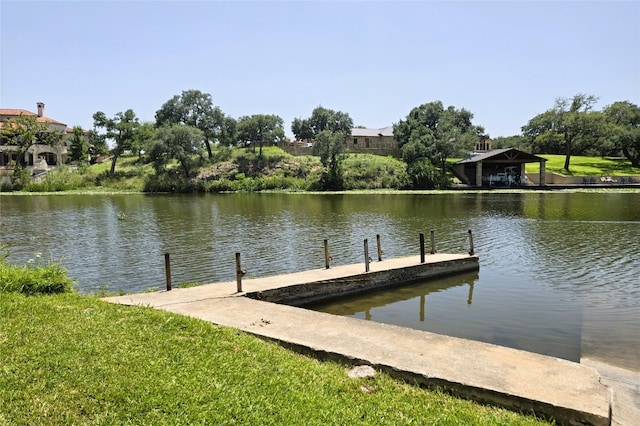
(374, 141)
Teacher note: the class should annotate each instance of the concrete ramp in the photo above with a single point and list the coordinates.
(569, 392)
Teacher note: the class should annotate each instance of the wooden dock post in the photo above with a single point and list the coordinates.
(239, 273)
(433, 242)
(366, 255)
(421, 247)
(379, 248)
(327, 258)
(167, 270)
(471, 250)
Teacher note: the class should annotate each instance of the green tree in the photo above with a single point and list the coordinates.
(177, 142)
(302, 130)
(625, 119)
(568, 126)
(516, 141)
(229, 131)
(121, 130)
(434, 133)
(143, 140)
(322, 119)
(79, 146)
(25, 130)
(97, 145)
(329, 146)
(329, 131)
(260, 129)
(195, 109)
(540, 132)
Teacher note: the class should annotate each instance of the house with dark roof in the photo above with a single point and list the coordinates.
(498, 167)
(38, 155)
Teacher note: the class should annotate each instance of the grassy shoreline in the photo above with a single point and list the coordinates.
(73, 359)
(276, 171)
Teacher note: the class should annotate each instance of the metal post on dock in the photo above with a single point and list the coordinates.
(167, 270)
(379, 248)
(471, 250)
(433, 242)
(366, 255)
(239, 273)
(421, 247)
(327, 258)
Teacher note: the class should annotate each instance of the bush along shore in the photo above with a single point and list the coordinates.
(232, 170)
(70, 358)
(243, 170)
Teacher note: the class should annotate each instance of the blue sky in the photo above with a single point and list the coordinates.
(505, 61)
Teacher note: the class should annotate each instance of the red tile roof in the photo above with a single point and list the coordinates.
(13, 112)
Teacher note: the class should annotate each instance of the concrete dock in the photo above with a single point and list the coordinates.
(570, 392)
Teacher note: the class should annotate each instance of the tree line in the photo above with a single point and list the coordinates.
(189, 127)
(572, 126)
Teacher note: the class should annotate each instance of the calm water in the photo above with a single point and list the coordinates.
(558, 271)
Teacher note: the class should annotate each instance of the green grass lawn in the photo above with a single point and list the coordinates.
(586, 166)
(73, 359)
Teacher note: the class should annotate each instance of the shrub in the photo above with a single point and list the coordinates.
(221, 185)
(61, 179)
(21, 177)
(166, 183)
(34, 279)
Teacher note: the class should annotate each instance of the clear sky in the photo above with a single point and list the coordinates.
(505, 61)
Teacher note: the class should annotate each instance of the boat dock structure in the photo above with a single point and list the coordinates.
(271, 308)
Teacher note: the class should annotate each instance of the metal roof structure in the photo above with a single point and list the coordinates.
(507, 155)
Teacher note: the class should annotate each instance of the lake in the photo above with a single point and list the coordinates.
(558, 270)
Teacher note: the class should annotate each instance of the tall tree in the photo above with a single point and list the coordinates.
(229, 131)
(434, 133)
(25, 130)
(97, 145)
(79, 146)
(195, 109)
(121, 130)
(143, 140)
(322, 119)
(515, 141)
(330, 146)
(567, 125)
(625, 119)
(329, 131)
(260, 129)
(178, 142)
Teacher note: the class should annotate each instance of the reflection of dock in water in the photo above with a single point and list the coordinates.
(340, 282)
(352, 305)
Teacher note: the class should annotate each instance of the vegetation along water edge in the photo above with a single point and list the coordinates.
(193, 146)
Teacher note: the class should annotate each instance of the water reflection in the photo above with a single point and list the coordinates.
(538, 323)
(365, 304)
(558, 271)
